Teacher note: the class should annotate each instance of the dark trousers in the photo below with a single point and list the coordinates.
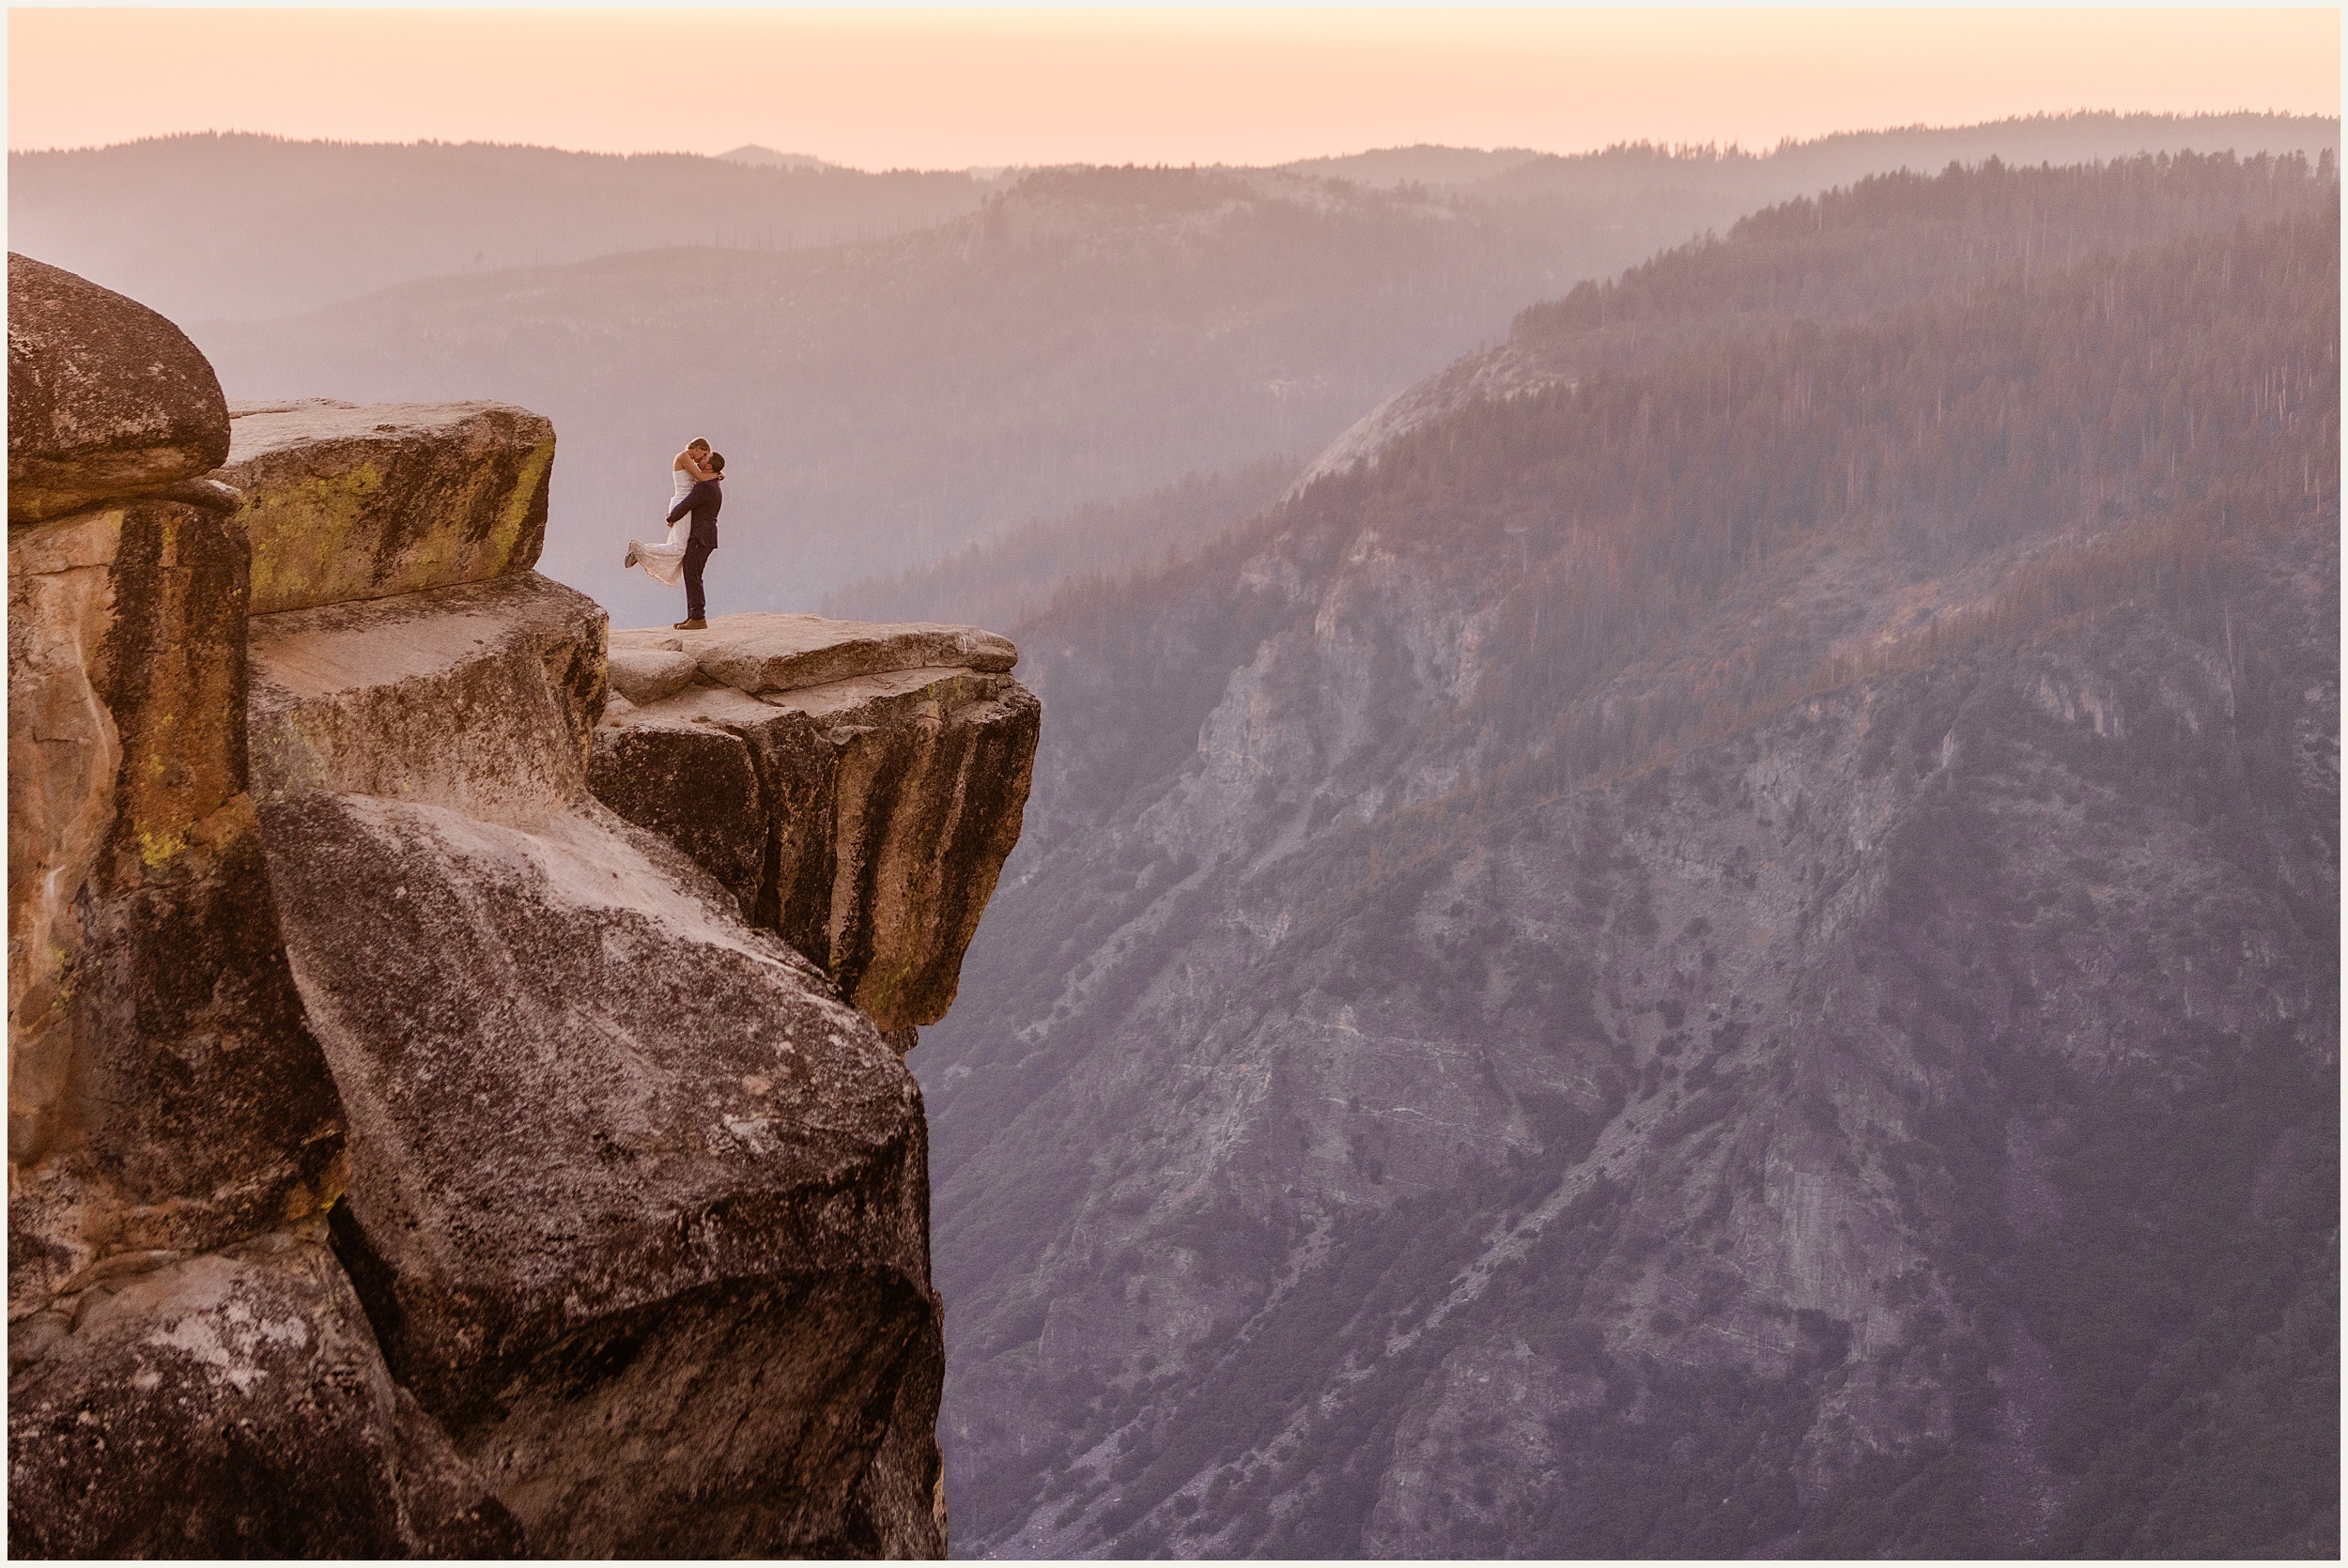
(696, 556)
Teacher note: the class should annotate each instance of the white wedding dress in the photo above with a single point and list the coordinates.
(664, 562)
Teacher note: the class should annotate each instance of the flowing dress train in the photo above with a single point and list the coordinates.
(664, 562)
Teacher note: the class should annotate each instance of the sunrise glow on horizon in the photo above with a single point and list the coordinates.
(985, 87)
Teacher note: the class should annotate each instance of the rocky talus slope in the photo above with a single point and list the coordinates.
(1740, 957)
(408, 1153)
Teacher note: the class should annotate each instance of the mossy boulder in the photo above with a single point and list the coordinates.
(346, 502)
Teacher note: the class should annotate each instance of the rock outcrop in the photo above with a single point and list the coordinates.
(870, 783)
(164, 1093)
(105, 398)
(346, 502)
(409, 1155)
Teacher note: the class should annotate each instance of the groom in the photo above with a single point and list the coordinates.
(703, 501)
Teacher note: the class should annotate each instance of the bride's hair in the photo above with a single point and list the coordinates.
(700, 442)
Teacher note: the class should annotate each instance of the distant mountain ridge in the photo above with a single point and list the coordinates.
(234, 226)
(1085, 335)
(757, 156)
(1843, 255)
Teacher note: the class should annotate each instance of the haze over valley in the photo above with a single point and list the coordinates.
(1680, 896)
(1031, 343)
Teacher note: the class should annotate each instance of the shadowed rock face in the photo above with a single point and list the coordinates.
(628, 1178)
(864, 815)
(232, 1405)
(164, 1090)
(346, 502)
(105, 398)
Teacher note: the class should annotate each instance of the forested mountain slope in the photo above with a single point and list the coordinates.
(1738, 957)
(1090, 335)
(1845, 255)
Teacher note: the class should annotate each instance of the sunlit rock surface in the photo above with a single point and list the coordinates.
(856, 788)
(347, 502)
(163, 1091)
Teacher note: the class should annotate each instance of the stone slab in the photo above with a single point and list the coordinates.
(479, 696)
(637, 1206)
(760, 652)
(230, 1404)
(866, 819)
(346, 501)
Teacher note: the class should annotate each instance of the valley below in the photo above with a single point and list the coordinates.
(1733, 956)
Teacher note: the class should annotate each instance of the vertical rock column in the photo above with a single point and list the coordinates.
(189, 1374)
(165, 1094)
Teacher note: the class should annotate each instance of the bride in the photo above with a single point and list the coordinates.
(664, 562)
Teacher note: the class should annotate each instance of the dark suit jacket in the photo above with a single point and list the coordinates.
(703, 501)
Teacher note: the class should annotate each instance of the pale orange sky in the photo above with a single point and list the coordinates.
(954, 88)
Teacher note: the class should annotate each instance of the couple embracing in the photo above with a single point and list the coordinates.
(698, 474)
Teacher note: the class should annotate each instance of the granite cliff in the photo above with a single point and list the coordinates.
(411, 1153)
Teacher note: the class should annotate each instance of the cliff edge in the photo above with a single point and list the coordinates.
(411, 1153)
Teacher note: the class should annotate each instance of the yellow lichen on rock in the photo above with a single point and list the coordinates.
(344, 503)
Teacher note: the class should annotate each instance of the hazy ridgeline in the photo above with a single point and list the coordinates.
(1733, 957)
(1718, 938)
(239, 227)
(1060, 338)
(1009, 579)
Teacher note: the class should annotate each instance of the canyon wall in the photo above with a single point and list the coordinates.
(410, 1154)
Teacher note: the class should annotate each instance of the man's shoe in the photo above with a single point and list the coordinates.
(690, 626)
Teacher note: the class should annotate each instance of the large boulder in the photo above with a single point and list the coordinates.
(865, 816)
(346, 502)
(105, 398)
(164, 1090)
(478, 697)
(638, 1204)
(230, 1405)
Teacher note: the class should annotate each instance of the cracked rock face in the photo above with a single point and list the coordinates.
(232, 1404)
(344, 502)
(105, 398)
(631, 1256)
(164, 1092)
(630, 1175)
(866, 816)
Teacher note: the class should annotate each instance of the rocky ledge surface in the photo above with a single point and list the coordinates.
(411, 1153)
(856, 788)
